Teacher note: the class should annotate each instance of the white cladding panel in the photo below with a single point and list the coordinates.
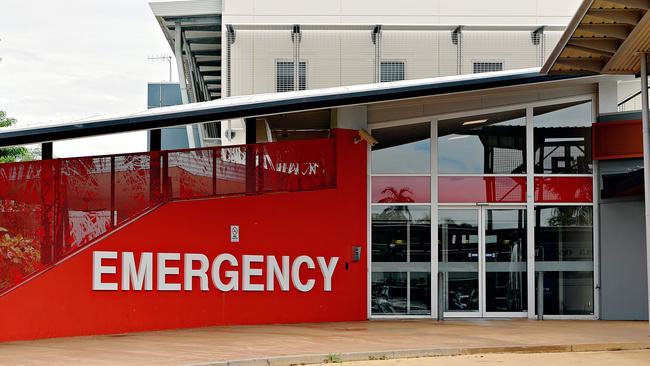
(357, 58)
(551, 38)
(402, 12)
(389, 8)
(419, 51)
(514, 49)
(186, 8)
(339, 57)
(253, 58)
(336, 57)
(322, 51)
(269, 47)
(294, 7)
(482, 8)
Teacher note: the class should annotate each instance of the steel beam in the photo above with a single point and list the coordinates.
(200, 63)
(646, 166)
(204, 40)
(47, 150)
(182, 81)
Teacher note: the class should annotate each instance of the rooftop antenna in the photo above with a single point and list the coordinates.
(163, 58)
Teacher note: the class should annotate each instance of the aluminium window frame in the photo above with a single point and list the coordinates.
(530, 204)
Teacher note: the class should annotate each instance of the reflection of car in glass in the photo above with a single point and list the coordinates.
(384, 299)
(463, 298)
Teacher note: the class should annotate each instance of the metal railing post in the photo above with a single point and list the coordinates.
(540, 295)
(259, 152)
(214, 171)
(166, 191)
(646, 165)
(113, 211)
(154, 178)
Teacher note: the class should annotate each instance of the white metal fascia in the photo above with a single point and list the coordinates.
(186, 8)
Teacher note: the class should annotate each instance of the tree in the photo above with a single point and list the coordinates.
(12, 154)
(392, 195)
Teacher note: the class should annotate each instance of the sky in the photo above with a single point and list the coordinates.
(64, 60)
(68, 59)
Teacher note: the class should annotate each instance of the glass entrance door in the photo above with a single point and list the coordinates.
(482, 261)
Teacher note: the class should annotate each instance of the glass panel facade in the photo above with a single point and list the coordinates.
(484, 144)
(458, 257)
(564, 259)
(402, 150)
(568, 293)
(420, 293)
(482, 250)
(563, 189)
(562, 138)
(505, 260)
(401, 189)
(473, 189)
(401, 234)
(401, 254)
(391, 296)
(401, 230)
(389, 293)
(406, 293)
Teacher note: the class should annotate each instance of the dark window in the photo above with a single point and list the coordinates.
(401, 234)
(391, 296)
(392, 71)
(564, 259)
(389, 293)
(487, 67)
(284, 76)
(563, 233)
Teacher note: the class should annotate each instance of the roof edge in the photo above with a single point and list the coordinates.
(267, 104)
(570, 29)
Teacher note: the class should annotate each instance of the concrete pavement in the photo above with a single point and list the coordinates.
(312, 343)
(619, 358)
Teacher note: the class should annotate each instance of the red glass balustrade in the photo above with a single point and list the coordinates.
(49, 209)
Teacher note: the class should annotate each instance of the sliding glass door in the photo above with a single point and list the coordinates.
(482, 261)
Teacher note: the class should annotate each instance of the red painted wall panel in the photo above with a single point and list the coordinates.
(61, 302)
(617, 140)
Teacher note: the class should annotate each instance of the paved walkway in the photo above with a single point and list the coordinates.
(620, 358)
(312, 342)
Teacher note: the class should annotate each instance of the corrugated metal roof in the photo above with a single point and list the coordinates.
(603, 37)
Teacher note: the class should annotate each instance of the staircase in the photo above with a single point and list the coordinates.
(51, 209)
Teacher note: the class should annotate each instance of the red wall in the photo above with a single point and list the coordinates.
(61, 302)
(617, 140)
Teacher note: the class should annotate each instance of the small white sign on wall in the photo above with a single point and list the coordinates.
(234, 233)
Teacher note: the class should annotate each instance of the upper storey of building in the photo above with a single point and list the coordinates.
(467, 12)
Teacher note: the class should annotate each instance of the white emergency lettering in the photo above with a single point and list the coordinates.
(176, 272)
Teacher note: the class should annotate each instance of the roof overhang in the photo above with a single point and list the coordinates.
(200, 21)
(604, 37)
(276, 103)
